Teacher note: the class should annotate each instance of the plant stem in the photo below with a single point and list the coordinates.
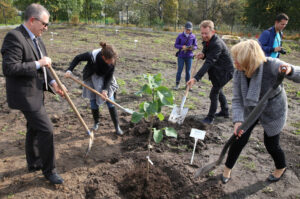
(149, 144)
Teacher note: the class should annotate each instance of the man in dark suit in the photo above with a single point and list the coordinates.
(219, 66)
(25, 65)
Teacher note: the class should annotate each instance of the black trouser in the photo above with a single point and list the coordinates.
(39, 128)
(215, 94)
(271, 144)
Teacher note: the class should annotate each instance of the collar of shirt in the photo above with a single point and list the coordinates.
(31, 35)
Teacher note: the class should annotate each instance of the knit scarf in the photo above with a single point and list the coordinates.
(251, 92)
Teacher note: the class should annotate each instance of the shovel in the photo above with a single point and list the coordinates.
(178, 114)
(101, 95)
(253, 116)
(90, 133)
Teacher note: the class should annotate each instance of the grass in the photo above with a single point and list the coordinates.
(297, 125)
(124, 91)
(250, 165)
(297, 132)
(201, 93)
(211, 173)
(21, 133)
(191, 106)
(56, 98)
(247, 163)
(205, 81)
(268, 190)
(4, 128)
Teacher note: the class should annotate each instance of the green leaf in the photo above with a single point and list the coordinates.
(146, 89)
(141, 107)
(151, 81)
(171, 132)
(139, 93)
(160, 116)
(152, 109)
(136, 117)
(165, 95)
(146, 106)
(158, 79)
(157, 135)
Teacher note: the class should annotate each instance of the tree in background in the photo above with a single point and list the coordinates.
(250, 13)
(8, 13)
(92, 10)
(232, 12)
(262, 13)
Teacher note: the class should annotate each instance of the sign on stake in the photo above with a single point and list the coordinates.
(197, 134)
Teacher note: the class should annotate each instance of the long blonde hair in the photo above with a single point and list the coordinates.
(249, 55)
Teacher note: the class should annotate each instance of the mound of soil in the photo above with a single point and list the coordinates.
(136, 185)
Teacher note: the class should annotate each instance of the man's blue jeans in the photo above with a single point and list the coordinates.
(188, 65)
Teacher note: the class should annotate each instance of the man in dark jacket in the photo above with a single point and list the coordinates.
(218, 64)
(270, 40)
(24, 67)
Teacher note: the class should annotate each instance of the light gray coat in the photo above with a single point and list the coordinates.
(245, 98)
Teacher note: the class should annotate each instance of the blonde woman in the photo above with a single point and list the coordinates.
(253, 76)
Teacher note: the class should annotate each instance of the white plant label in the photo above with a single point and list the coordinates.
(197, 134)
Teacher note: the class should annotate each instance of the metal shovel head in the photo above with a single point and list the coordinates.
(178, 115)
(128, 111)
(206, 169)
(91, 141)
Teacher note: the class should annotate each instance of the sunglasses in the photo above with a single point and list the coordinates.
(43, 23)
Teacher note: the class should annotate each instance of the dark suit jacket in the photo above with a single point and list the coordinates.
(218, 62)
(24, 83)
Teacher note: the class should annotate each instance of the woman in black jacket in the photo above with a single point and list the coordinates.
(98, 74)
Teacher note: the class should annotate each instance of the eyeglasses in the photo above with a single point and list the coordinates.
(43, 23)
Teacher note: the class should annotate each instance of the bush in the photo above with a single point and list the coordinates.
(75, 20)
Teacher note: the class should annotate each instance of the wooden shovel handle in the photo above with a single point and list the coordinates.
(94, 91)
(69, 99)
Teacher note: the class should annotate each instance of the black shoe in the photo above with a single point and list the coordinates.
(207, 120)
(54, 178)
(222, 114)
(224, 179)
(272, 178)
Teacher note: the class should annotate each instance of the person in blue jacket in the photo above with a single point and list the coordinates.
(271, 40)
(186, 42)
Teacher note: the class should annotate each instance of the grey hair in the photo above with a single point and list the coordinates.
(35, 10)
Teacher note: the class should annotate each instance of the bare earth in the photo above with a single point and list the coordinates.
(115, 167)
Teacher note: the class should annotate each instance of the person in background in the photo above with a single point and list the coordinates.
(24, 63)
(219, 66)
(186, 42)
(271, 39)
(98, 74)
(254, 76)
